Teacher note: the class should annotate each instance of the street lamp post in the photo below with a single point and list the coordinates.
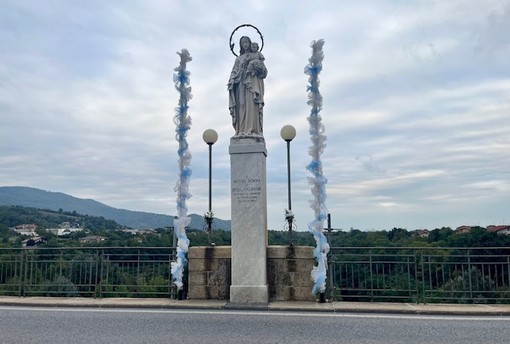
(330, 261)
(210, 136)
(288, 133)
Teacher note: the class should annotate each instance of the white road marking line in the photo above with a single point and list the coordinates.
(264, 313)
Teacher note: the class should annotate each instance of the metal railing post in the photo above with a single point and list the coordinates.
(96, 275)
(371, 278)
(469, 275)
(24, 270)
(21, 272)
(103, 278)
(417, 262)
(137, 270)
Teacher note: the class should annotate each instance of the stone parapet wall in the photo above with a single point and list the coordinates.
(209, 272)
(288, 270)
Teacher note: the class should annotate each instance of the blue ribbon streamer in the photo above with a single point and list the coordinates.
(183, 123)
(317, 181)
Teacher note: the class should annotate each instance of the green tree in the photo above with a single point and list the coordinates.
(398, 235)
(60, 286)
(440, 235)
(468, 286)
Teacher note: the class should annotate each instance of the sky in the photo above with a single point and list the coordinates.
(416, 105)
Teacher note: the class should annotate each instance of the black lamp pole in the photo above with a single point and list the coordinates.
(209, 220)
(210, 137)
(290, 219)
(288, 133)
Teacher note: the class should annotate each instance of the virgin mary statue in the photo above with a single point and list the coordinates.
(246, 90)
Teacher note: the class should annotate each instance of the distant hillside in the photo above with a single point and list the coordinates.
(13, 215)
(36, 198)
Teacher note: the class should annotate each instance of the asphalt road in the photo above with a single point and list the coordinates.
(92, 325)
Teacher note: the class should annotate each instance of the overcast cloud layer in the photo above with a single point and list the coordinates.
(416, 105)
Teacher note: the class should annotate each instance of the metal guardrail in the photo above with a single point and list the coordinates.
(411, 274)
(87, 272)
(404, 274)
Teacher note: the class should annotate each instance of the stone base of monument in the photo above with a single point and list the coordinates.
(249, 294)
(288, 270)
(248, 220)
(209, 273)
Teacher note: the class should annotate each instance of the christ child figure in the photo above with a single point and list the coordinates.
(256, 65)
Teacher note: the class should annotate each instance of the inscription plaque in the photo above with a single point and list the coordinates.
(246, 191)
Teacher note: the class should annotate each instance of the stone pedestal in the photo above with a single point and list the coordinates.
(288, 273)
(249, 220)
(209, 273)
(289, 270)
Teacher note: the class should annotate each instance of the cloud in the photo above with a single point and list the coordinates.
(415, 105)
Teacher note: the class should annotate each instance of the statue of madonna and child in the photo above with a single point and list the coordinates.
(246, 90)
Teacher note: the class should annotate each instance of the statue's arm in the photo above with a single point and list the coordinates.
(263, 73)
(235, 74)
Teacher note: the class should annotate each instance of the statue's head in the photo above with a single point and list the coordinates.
(245, 45)
(254, 47)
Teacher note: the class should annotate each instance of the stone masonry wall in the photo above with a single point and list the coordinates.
(209, 273)
(288, 272)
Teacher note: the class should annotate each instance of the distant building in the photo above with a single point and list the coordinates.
(140, 231)
(147, 231)
(500, 229)
(65, 228)
(26, 229)
(463, 229)
(33, 242)
(421, 233)
(92, 239)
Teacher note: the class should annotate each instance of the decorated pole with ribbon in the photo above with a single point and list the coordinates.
(183, 123)
(317, 181)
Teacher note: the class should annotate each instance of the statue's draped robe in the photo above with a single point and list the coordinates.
(246, 98)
